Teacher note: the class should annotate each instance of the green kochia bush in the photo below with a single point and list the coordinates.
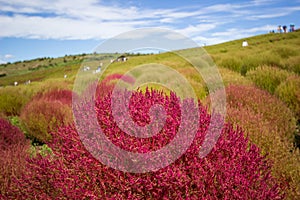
(234, 64)
(233, 170)
(289, 92)
(12, 100)
(285, 52)
(292, 64)
(268, 78)
(244, 63)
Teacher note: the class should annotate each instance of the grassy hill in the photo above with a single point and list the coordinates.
(280, 50)
(262, 87)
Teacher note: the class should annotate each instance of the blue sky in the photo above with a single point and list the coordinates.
(52, 28)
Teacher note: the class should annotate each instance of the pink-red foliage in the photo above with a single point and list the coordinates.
(233, 170)
(46, 112)
(262, 103)
(63, 96)
(13, 147)
(10, 135)
(108, 83)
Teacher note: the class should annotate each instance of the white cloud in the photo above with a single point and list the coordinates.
(271, 15)
(232, 34)
(265, 28)
(191, 30)
(91, 19)
(244, 32)
(59, 28)
(82, 19)
(201, 40)
(142, 33)
(175, 36)
(223, 7)
(5, 58)
(274, 13)
(8, 56)
(263, 2)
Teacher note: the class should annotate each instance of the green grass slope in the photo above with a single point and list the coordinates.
(262, 85)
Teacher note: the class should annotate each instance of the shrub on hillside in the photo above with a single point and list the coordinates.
(269, 59)
(233, 170)
(243, 64)
(285, 52)
(45, 113)
(251, 62)
(292, 64)
(289, 92)
(263, 103)
(268, 78)
(54, 84)
(12, 100)
(231, 77)
(233, 64)
(270, 125)
(13, 147)
(61, 95)
(10, 135)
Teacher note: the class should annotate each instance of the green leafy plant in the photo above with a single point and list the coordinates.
(12, 100)
(268, 78)
(289, 92)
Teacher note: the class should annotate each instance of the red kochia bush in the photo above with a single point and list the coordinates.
(13, 151)
(233, 170)
(45, 113)
(108, 83)
(63, 96)
(10, 135)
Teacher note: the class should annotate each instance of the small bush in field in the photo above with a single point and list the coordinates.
(9, 135)
(63, 96)
(232, 64)
(251, 62)
(268, 78)
(45, 113)
(54, 84)
(292, 64)
(285, 52)
(12, 100)
(269, 124)
(13, 147)
(289, 92)
(263, 103)
(233, 170)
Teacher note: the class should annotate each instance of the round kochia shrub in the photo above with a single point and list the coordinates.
(45, 113)
(289, 92)
(268, 78)
(12, 100)
(10, 135)
(233, 170)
